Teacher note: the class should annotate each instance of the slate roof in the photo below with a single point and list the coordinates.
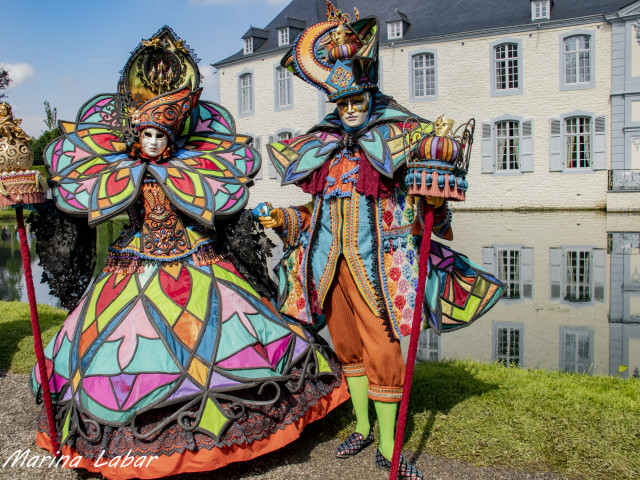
(431, 18)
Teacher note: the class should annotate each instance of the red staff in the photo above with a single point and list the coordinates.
(438, 173)
(20, 186)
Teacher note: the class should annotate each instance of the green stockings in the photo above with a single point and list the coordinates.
(358, 387)
(386, 413)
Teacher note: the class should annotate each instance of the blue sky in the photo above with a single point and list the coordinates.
(67, 51)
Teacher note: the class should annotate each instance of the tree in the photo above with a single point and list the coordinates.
(5, 81)
(39, 144)
(52, 116)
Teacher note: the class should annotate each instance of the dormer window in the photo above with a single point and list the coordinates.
(540, 10)
(283, 36)
(248, 45)
(394, 30)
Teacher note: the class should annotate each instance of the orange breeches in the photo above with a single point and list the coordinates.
(360, 339)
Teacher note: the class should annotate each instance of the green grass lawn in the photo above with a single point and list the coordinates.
(8, 213)
(579, 426)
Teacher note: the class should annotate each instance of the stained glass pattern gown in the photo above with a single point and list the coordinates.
(172, 358)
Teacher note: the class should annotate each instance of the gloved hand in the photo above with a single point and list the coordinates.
(268, 216)
(262, 210)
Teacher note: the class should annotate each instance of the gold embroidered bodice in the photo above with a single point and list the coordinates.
(163, 233)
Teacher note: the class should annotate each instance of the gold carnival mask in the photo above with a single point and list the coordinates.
(354, 109)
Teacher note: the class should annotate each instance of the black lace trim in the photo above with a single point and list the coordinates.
(257, 422)
(66, 248)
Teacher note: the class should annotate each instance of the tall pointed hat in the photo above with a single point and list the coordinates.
(338, 57)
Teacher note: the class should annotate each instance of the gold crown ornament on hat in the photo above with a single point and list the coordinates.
(339, 56)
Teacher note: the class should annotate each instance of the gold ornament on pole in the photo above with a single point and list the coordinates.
(18, 184)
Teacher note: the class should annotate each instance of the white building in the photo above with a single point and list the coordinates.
(554, 87)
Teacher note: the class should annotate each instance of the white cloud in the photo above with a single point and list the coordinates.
(209, 80)
(18, 72)
(210, 83)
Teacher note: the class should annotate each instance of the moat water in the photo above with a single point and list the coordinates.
(572, 300)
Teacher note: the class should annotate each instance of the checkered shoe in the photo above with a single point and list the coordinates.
(354, 444)
(406, 471)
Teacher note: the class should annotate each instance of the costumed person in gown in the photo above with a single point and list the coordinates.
(352, 253)
(173, 360)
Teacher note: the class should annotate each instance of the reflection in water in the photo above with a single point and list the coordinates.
(12, 283)
(572, 300)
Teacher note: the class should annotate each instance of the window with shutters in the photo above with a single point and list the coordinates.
(245, 94)
(577, 274)
(577, 60)
(577, 283)
(423, 75)
(508, 343)
(513, 265)
(507, 145)
(506, 67)
(509, 271)
(577, 143)
(576, 349)
(283, 89)
(428, 346)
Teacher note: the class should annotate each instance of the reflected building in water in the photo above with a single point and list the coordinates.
(573, 289)
(624, 248)
(559, 311)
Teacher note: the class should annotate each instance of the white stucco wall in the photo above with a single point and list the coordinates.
(463, 91)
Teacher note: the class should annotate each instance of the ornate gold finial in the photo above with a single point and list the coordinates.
(181, 47)
(442, 126)
(10, 127)
(154, 42)
(333, 14)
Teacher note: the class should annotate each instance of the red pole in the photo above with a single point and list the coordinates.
(37, 337)
(425, 247)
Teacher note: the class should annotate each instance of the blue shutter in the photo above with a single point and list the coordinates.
(526, 272)
(273, 173)
(599, 143)
(555, 273)
(526, 147)
(489, 259)
(487, 149)
(556, 162)
(257, 144)
(599, 259)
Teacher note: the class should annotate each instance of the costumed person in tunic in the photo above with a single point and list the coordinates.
(352, 253)
(173, 360)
